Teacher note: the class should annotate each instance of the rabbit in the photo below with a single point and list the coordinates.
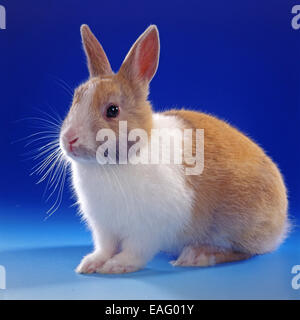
(235, 209)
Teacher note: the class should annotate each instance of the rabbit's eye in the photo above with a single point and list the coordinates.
(112, 111)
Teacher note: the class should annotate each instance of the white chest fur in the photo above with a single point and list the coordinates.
(147, 203)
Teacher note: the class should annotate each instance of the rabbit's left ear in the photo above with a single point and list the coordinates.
(98, 63)
(141, 62)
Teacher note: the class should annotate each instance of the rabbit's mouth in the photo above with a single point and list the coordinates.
(77, 151)
(81, 153)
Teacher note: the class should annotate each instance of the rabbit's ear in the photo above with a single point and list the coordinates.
(98, 63)
(141, 61)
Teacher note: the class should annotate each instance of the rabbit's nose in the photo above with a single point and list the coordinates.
(71, 142)
(70, 138)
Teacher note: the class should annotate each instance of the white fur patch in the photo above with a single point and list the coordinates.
(80, 118)
(145, 206)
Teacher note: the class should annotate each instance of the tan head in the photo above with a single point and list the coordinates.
(108, 97)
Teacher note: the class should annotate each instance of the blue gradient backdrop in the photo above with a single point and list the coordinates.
(239, 60)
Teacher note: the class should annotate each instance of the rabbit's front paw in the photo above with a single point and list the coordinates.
(91, 263)
(121, 264)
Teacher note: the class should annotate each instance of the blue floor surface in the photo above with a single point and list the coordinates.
(40, 256)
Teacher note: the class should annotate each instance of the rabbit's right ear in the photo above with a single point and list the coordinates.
(98, 63)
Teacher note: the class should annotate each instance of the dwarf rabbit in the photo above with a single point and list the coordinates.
(234, 209)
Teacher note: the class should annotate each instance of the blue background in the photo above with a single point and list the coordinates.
(239, 60)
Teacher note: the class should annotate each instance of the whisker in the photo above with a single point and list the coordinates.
(60, 192)
(43, 149)
(35, 153)
(59, 165)
(63, 84)
(40, 138)
(54, 177)
(48, 172)
(43, 120)
(57, 177)
(32, 135)
(56, 119)
(41, 166)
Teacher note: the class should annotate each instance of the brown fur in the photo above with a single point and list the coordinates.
(133, 108)
(240, 196)
(98, 63)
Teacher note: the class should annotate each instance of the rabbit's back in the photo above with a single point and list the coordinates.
(240, 197)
